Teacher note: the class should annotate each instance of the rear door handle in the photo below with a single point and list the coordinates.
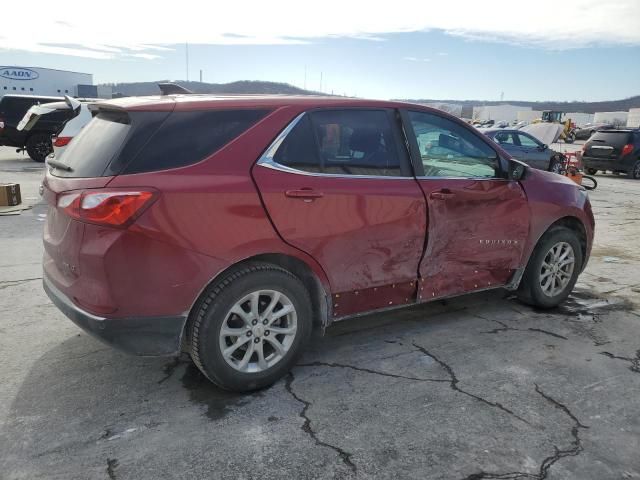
(304, 193)
(443, 194)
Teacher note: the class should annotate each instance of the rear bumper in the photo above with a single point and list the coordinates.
(602, 164)
(145, 336)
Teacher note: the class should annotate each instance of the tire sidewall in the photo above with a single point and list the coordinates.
(532, 273)
(32, 144)
(215, 312)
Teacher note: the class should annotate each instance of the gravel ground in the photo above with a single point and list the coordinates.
(476, 387)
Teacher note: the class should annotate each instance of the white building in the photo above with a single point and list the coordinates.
(633, 119)
(508, 113)
(579, 118)
(528, 115)
(611, 117)
(46, 81)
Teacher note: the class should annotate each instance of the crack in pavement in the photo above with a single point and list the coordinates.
(543, 472)
(12, 283)
(112, 464)
(306, 426)
(368, 370)
(504, 328)
(635, 362)
(453, 383)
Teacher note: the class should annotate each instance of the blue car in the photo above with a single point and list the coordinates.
(527, 148)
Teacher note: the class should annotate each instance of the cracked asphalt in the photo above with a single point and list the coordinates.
(478, 387)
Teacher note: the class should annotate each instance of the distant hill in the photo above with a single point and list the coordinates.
(585, 107)
(240, 87)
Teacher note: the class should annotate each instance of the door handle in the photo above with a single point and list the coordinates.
(443, 194)
(304, 193)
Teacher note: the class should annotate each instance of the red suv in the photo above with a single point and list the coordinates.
(228, 227)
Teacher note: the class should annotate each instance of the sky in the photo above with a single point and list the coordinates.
(539, 50)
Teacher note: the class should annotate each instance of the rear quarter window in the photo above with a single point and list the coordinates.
(188, 137)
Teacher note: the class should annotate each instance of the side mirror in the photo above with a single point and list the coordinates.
(516, 170)
(543, 147)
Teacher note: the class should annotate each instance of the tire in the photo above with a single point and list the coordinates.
(556, 165)
(570, 138)
(635, 171)
(207, 340)
(591, 171)
(39, 147)
(531, 289)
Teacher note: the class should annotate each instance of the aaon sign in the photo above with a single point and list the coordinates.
(17, 73)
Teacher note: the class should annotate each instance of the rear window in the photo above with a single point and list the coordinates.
(611, 138)
(95, 146)
(119, 143)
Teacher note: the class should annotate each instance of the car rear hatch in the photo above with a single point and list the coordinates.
(100, 152)
(607, 145)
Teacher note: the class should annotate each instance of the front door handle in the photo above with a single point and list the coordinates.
(443, 194)
(304, 193)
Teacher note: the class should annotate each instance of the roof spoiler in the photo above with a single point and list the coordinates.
(173, 89)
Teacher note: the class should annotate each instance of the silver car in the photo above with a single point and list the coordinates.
(527, 148)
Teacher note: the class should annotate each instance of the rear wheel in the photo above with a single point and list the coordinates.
(591, 171)
(635, 171)
(39, 147)
(251, 327)
(553, 269)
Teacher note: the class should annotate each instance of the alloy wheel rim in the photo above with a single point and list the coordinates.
(258, 331)
(557, 269)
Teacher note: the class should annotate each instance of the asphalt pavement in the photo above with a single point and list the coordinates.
(476, 387)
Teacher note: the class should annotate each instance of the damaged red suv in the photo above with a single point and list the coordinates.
(230, 227)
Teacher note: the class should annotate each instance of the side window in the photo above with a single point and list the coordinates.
(450, 150)
(505, 138)
(526, 141)
(342, 142)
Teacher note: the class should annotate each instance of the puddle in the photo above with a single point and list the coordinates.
(582, 302)
(218, 402)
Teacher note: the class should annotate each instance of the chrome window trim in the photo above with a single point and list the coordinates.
(267, 159)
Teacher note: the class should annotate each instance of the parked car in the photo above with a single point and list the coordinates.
(229, 227)
(613, 150)
(37, 142)
(71, 129)
(588, 129)
(527, 148)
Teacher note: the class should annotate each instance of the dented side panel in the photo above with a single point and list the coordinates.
(476, 235)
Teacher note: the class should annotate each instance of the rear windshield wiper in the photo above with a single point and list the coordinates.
(60, 165)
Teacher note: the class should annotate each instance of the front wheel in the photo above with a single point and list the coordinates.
(553, 269)
(251, 327)
(39, 147)
(635, 171)
(570, 138)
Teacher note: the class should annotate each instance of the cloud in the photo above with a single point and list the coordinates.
(127, 26)
(416, 59)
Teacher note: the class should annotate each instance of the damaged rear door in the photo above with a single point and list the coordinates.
(478, 220)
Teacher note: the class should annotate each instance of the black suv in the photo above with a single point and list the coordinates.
(614, 150)
(37, 141)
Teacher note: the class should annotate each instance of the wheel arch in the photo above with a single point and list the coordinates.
(318, 291)
(572, 223)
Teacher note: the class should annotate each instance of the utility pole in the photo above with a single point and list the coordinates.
(187, 58)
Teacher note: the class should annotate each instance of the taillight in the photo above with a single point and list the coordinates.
(627, 149)
(117, 208)
(62, 141)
